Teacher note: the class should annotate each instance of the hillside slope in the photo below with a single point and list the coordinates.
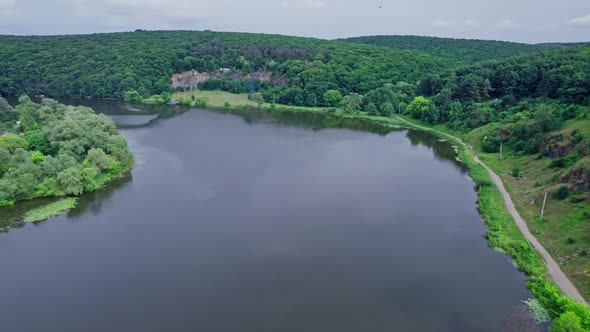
(108, 65)
(464, 50)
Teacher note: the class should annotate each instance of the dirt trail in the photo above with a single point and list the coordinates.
(560, 279)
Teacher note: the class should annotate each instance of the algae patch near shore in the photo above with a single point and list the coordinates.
(51, 210)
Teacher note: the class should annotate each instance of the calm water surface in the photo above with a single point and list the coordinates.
(248, 223)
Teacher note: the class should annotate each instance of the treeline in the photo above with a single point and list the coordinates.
(563, 75)
(463, 50)
(109, 65)
(533, 93)
(50, 149)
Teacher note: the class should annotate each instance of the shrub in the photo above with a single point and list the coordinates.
(516, 172)
(567, 322)
(201, 102)
(562, 192)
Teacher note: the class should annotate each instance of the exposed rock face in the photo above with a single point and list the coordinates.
(561, 145)
(579, 175)
(191, 79)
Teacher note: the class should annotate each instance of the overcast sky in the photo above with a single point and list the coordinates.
(514, 20)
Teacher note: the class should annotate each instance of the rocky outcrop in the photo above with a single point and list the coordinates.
(579, 175)
(191, 79)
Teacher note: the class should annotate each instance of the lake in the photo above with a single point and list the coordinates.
(258, 223)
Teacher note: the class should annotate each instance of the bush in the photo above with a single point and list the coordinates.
(516, 172)
(201, 102)
(562, 192)
(132, 96)
(568, 322)
(490, 144)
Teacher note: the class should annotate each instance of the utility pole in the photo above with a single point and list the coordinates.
(543, 209)
(501, 148)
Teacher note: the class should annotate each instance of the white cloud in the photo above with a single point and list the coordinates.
(582, 21)
(303, 4)
(440, 23)
(471, 23)
(505, 24)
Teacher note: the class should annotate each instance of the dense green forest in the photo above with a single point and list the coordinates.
(50, 149)
(462, 50)
(108, 65)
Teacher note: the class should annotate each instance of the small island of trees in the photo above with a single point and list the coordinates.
(50, 149)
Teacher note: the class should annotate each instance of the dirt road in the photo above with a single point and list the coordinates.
(560, 279)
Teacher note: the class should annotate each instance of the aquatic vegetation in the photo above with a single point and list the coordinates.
(51, 210)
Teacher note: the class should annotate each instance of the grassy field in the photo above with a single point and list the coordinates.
(218, 99)
(51, 210)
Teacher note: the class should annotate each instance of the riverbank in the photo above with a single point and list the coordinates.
(43, 207)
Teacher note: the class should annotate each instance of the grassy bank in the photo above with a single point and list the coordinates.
(51, 210)
(227, 100)
(11, 217)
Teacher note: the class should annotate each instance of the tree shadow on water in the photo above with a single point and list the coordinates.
(93, 202)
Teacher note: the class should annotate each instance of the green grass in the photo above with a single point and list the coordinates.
(215, 98)
(218, 99)
(51, 210)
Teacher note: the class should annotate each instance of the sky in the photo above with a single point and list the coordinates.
(530, 21)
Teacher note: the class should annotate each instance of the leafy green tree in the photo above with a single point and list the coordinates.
(97, 157)
(11, 142)
(132, 96)
(49, 187)
(4, 106)
(37, 141)
(371, 109)
(20, 157)
(332, 98)
(51, 166)
(71, 181)
(257, 98)
(567, 322)
(117, 147)
(353, 102)
(7, 190)
(90, 174)
(387, 109)
(5, 159)
(419, 106)
(37, 157)
(26, 184)
(28, 114)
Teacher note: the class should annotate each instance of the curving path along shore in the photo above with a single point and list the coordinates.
(560, 279)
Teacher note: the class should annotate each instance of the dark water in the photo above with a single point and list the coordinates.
(247, 223)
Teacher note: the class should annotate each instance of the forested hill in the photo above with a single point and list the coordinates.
(108, 65)
(464, 50)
